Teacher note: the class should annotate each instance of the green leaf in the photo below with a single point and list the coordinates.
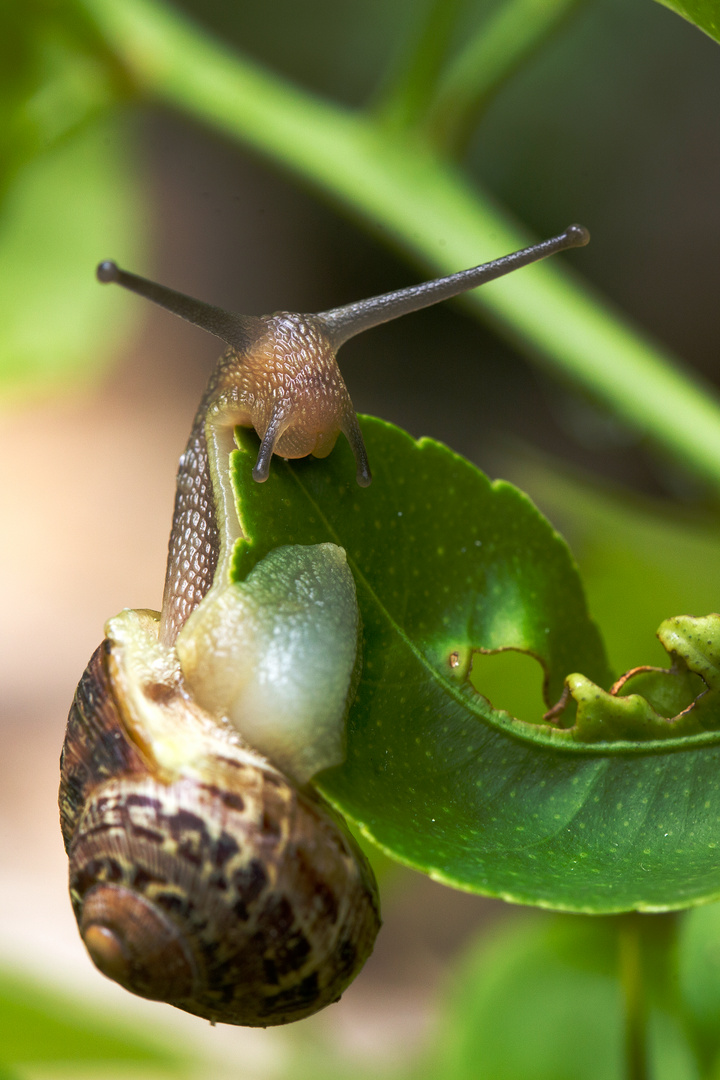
(668, 691)
(40, 1026)
(603, 717)
(446, 563)
(705, 14)
(65, 211)
(656, 704)
(542, 998)
(696, 643)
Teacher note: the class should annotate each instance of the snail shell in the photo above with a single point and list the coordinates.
(224, 889)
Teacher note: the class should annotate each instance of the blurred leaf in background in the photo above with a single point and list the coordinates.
(39, 1027)
(62, 211)
(70, 192)
(55, 75)
(543, 998)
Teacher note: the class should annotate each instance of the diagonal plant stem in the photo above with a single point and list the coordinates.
(426, 208)
(516, 29)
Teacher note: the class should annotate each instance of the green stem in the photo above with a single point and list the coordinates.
(516, 29)
(410, 91)
(631, 978)
(428, 209)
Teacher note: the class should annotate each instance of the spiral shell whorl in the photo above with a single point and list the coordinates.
(134, 943)
(236, 897)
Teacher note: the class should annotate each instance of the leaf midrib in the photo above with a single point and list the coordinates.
(658, 747)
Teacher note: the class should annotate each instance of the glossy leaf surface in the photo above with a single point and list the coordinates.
(446, 563)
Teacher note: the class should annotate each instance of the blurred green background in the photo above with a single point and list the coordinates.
(611, 121)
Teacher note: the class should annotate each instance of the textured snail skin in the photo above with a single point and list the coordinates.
(237, 897)
(286, 370)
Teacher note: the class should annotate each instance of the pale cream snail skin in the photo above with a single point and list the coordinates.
(205, 871)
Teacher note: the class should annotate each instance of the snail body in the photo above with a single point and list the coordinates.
(205, 871)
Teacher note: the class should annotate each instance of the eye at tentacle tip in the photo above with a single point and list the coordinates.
(261, 468)
(577, 235)
(275, 428)
(363, 474)
(107, 271)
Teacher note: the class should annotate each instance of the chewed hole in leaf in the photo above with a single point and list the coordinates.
(447, 563)
(650, 703)
(668, 692)
(510, 680)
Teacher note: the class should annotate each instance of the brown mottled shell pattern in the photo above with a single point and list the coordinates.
(239, 899)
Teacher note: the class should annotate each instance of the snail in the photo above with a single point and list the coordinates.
(205, 870)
